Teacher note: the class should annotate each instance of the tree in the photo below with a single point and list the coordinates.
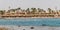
(39, 10)
(13, 10)
(2, 12)
(18, 8)
(49, 10)
(28, 10)
(33, 10)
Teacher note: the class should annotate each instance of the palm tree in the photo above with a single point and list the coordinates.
(41, 10)
(28, 10)
(2, 12)
(18, 8)
(53, 11)
(33, 10)
(13, 10)
(49, 9)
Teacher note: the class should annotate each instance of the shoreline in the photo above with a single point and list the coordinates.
(29, 28)
(29, 17)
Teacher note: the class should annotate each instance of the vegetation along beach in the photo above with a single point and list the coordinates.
(29, 12)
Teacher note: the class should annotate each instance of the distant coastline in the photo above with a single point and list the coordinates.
(30, 12)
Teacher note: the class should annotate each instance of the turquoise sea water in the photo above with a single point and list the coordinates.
(31, 21)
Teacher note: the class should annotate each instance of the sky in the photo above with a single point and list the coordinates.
(43, 4)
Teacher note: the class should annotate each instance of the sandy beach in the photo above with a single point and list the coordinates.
(29, 27)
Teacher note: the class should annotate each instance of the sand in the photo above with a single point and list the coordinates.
(11, 27)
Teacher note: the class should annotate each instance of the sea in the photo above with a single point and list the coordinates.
(31, 21)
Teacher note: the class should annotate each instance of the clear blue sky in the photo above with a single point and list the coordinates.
(4, 4)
